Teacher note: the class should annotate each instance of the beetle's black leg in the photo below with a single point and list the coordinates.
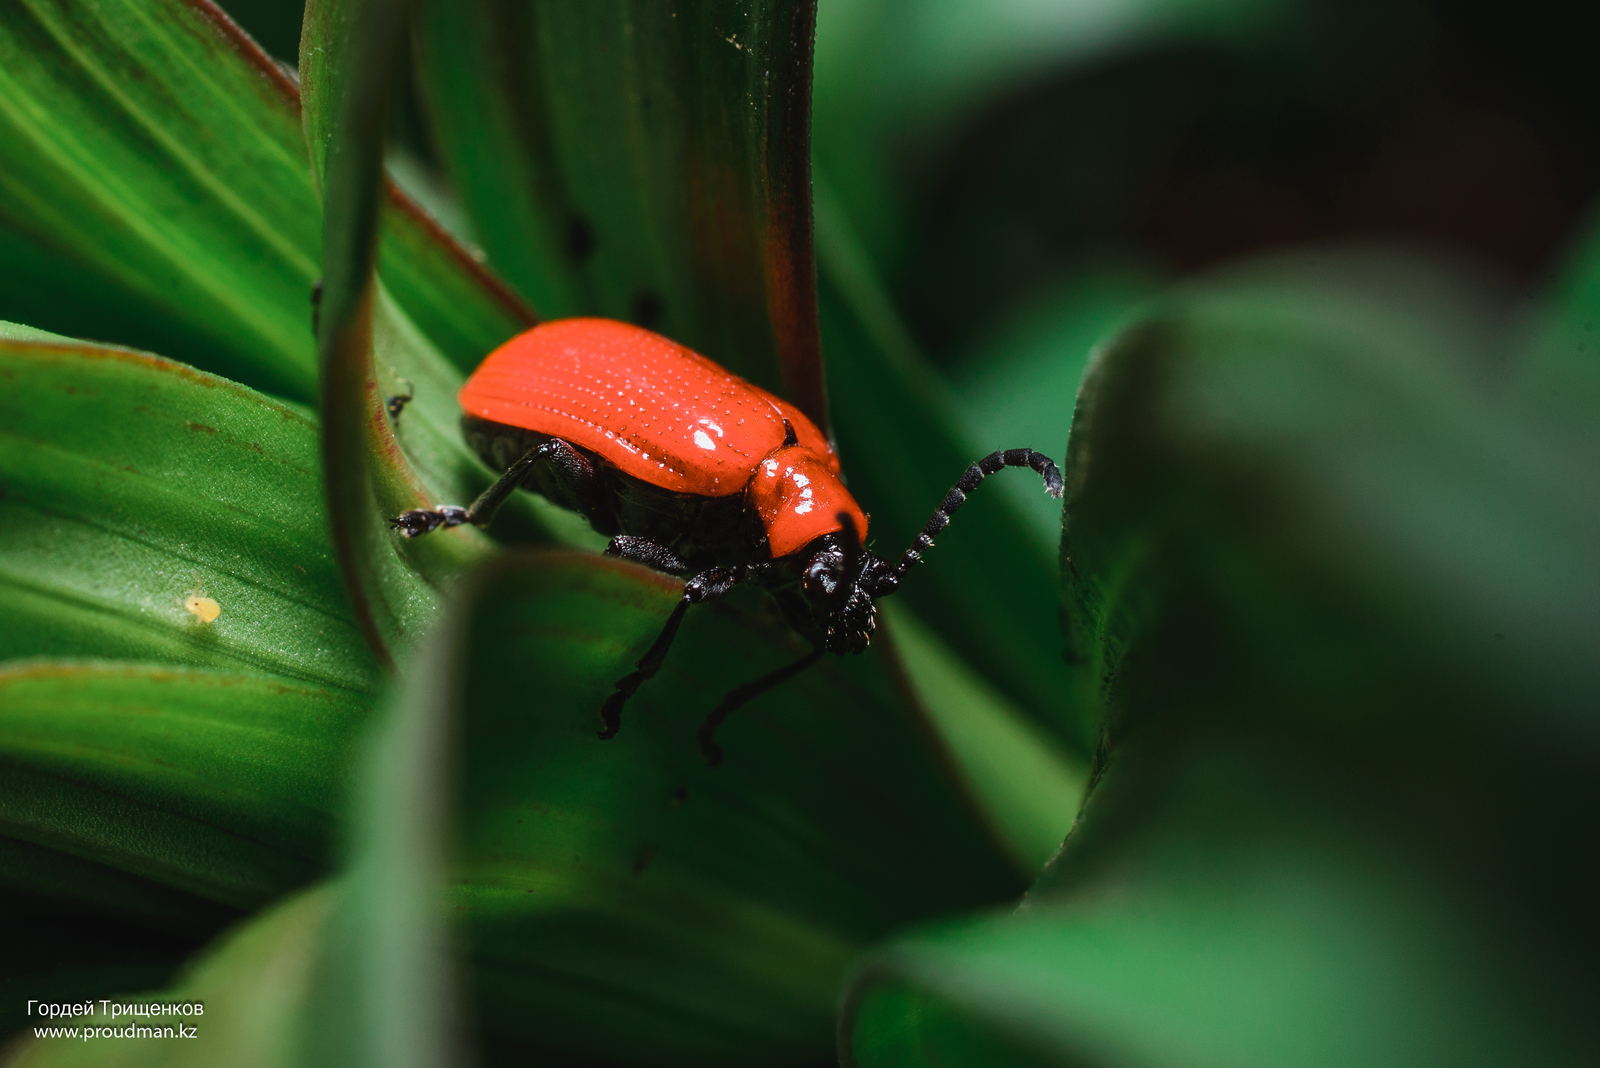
(649, 664)
(709, 585)
(555, 451)
(743, 694)
(646, 552)
(397, 403)
(958, 496)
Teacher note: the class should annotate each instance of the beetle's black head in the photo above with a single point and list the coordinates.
(841, 583)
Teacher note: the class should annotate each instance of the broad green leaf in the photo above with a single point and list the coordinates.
(1334, 593)
(641, 161)
(986, 587)
(456, 303)
(1230, 934)
(627, 903)
(155, 191)
(222, 787)
(351, 972)
(130, 484)
(385, 993)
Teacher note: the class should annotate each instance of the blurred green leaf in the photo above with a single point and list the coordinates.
(883, 112)
(352, 972)
(630, 904)
(130, 483)
(223, 787)
(1563, 368)
(57, 951)
(348, 53)
(385, 993)
(987, 587)
(1027, 787)
(1336, 598)
(255, 986)
(156, 192)
(1016, 382)
(689, 214)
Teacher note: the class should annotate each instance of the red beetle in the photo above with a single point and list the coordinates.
(692, 471)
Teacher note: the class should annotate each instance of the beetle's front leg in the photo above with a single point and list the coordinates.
(567, 459)
(709, 585)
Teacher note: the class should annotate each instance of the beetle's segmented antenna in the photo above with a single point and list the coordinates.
(852, 542)
(969, 482)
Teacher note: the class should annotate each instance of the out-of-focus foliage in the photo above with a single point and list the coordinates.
(1326, 582)
(1327, 672)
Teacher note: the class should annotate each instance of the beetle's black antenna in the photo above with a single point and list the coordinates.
(969, 482)
(852, 544)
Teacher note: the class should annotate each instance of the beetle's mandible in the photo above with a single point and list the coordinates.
(693, 471)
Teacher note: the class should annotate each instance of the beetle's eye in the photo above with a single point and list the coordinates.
(821, 576)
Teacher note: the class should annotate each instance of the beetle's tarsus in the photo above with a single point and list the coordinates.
(420, 521)
(611, 711)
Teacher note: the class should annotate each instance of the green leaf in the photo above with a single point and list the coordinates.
(884, 113)
(1335, 594)
(56, 952)
(641, 162)
(255, 987)
(156, 192)
(132, 482)
(457, 304)
(987, 587)
(149, 169)
(223, 787)
(349, 52)
(1017, 380)
(628, 903)
(1026, 786)
(353, 972)
(1562, 372)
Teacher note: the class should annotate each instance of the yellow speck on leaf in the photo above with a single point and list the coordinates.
(199, 605)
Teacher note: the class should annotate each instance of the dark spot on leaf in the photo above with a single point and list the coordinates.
(201, 427)
(679, 796)
(647, 309)
(580, 240)
(642, 860)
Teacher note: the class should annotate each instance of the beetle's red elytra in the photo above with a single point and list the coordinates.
(690, 470)
(668, 417)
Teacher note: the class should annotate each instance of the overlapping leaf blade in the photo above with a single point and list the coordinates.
(1325, 585)
(153, 193)
(629, 903)
(167, 797)
(641, 161)
(159, 193)
(132, 482)
(221, 786)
